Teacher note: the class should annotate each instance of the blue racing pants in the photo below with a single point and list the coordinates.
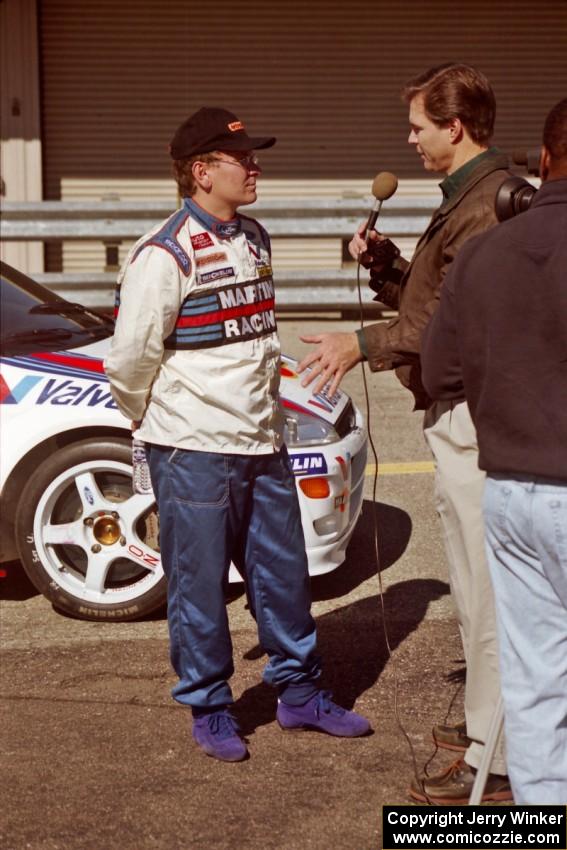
(214, 508)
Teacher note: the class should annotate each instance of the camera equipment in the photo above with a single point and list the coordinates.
(514, 196)
(528, 158)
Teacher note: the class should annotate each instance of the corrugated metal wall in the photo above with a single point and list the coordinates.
(119, 75)
(20, 146)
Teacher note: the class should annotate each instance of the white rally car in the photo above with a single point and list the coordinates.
(67, 508)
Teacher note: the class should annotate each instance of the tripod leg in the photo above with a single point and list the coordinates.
(488, 753)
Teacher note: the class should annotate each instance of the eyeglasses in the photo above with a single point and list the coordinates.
(250, 162)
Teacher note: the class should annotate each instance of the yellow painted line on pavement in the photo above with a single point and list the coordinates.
(414, 468)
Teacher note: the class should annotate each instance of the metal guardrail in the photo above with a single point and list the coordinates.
(50, 221)
(296, 290)
(115, 221)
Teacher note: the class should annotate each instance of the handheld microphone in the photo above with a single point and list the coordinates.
(383, 187)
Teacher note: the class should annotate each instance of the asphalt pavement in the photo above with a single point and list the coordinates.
(97, 755)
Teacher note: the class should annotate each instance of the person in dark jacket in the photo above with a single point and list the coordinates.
(499, 339)
(451, 114)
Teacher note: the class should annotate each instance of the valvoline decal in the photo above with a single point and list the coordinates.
(80, 380)
(14, 394)
(56, 391)
(311, 463)
(67, 392)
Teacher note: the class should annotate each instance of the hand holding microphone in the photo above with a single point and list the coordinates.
(336, 353)
(367, 246)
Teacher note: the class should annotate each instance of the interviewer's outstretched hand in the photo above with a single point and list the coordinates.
(335, 355)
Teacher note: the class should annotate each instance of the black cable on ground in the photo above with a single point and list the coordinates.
(418, 776)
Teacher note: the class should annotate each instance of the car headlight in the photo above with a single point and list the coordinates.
(301, 429)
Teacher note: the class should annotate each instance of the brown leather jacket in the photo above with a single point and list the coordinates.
(414, 288)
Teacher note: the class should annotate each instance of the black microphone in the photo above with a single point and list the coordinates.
(383, 187)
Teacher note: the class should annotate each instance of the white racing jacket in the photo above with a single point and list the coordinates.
(195, 354)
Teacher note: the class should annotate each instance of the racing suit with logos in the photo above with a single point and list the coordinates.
(195, 361)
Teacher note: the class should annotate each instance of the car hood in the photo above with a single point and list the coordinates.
(293, 395)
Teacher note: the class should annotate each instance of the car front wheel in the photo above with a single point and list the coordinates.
(86, 541)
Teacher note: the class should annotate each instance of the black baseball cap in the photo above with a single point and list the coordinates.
(212, 129)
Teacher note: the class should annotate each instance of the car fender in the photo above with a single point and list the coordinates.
(35, 393)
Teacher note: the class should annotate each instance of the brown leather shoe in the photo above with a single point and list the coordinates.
(452, 737)
(453, 787)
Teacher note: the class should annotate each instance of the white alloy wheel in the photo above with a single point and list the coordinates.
(87, 542)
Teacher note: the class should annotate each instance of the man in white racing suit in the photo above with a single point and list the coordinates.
(195, 364)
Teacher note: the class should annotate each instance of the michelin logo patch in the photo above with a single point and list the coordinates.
(216, 274)
(309, 464)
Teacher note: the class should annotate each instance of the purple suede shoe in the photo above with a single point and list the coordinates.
(322, 714)
(217, 734)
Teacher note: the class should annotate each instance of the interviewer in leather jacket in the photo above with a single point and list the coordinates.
(451, 116)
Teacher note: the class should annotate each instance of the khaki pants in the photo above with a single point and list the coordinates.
(459, 486)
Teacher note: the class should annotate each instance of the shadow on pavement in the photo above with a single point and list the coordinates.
(394, 532)
(352, 644)
(352, 640)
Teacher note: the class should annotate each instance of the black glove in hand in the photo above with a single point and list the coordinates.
(380, 253)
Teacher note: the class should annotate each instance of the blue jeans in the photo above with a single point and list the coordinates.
(214, 508)
(526, 529)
